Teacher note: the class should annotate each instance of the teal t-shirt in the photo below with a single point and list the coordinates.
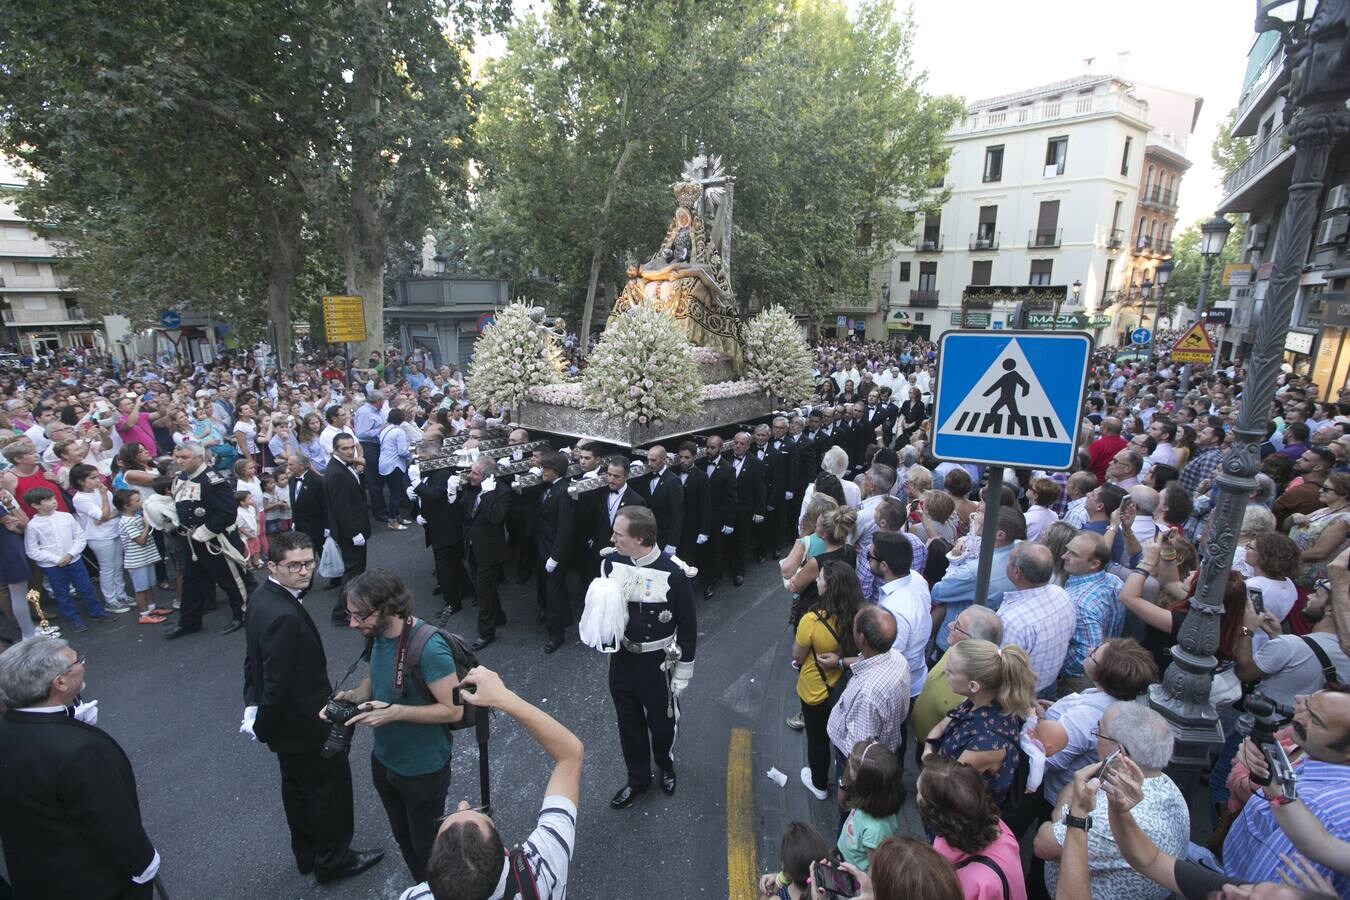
(862, 833)
(406, 747)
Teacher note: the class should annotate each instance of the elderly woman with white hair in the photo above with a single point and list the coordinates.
(835, 462)
(1145, 737)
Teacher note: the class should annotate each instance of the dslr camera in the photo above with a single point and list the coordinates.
(339, 739)
(1269, 717)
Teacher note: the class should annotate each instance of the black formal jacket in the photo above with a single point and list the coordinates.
(749, 486)
(697, 511)
(600, 530)
(285, 671)
(775, 463)
(485, 528)
(348, 505)
(309, 512)
(810, 452)
(553, 520)
(70, 821)
(666, 503)
(445, 521)
(721, 492)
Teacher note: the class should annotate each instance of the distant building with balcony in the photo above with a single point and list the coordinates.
(443, 313)
(1318, 339)
(39, 308)
(1044, 187)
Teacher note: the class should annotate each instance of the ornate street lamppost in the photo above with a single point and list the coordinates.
(1213, 235)
(1317, 119)
(1161, 276)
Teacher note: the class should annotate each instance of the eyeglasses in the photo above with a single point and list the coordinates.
(357, 617)
(1322, 584)
(79, 661)
(303, 565)
(1096, 733)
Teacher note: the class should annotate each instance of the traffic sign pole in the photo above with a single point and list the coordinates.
(993, 500)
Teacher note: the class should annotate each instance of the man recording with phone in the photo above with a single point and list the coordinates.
(408, 699)
(470, 860)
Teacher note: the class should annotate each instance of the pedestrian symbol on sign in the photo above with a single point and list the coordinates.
(1019, 408)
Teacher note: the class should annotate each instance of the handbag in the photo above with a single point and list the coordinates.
(330, 562)
(1226, 688)
(832, 691)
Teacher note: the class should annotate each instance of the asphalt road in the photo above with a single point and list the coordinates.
(211, 801)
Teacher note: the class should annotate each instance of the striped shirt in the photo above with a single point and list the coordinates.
(548, 851)
(1252, 849)
(135, 555)
(1040, 620)
(1100, 616)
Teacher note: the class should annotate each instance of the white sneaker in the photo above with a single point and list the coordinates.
(806, 780)
(117, 606)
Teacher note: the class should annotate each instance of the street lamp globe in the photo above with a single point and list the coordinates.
(1077, 291)
(1146, 289)
(439, 261)
(1163, 273)
(1213, 235)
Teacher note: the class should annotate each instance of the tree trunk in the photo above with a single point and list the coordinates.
(364, 243)
(598, 247)
(282, 222)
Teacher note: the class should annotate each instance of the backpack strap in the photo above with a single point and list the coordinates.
(1329, 675)
(986, 861)
(422, 632)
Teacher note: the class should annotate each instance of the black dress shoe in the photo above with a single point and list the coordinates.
(738, 580)
(305, 867)
(359, 862)
(552, 644)
(178, 631)
(480, 643)
(708, 592)
(235, 625)
(436, 591)
(625, 797)
(668, 780)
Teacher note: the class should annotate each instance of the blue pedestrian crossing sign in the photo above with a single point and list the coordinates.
(1014, 398)
(1140, 336)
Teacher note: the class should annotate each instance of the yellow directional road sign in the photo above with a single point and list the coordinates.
(344, 319)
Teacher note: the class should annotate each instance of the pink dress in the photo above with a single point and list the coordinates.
(978, 880)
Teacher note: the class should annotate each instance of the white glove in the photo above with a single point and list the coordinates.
(87, 712)
(421, 520)
(787, 585)
(517, 456)
(412, 492)
(358, 540)
(414, 472)
(788, 495)
(670, 548)
(727, 529)
(327, 534)
(683, 672)
(609, 551)
(757, 519)
(550, 564)
(246, 726)
(504, 463)
(452, 488)
(489, 484)
(701, 539)
(536, 471)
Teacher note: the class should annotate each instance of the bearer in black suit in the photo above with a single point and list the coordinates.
(749, 509)
(444, 529)
(771, 451)
(71, 827)
(553, 516)
(722, 496)
(696, 522)
(585, 566)
(664, 494)
(348, 506)
(484, 503)
(612, 498)
(308, 510)
(285, 685)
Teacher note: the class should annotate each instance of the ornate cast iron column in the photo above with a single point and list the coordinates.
(1317, 119)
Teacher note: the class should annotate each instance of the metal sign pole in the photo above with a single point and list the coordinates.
(993, 499)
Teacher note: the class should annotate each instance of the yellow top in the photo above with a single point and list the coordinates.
(935, 700)
(812, 633)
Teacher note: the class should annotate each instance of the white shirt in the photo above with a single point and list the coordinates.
(48, 538)
(1038, 519)
(908, 600)
(89, 508)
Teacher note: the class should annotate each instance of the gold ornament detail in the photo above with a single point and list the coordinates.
(35, 600)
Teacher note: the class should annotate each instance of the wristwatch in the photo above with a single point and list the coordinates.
(1072, 821)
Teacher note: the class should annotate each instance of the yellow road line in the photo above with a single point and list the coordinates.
(742, 870)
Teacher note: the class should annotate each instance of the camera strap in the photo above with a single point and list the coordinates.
(1328, 670)
(365, 654)
(401, 655)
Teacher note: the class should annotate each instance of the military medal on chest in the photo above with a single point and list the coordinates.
(664, 616)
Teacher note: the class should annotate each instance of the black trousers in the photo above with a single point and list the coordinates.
(413, 805)
(201, 571)
(449, 562)
(769, 532)
(374, 483)
(641, 700)
(486, 580)
(554, 599)
(714, 554)
(740, 542)
(816, 717)
(317, 796)
(353, 564)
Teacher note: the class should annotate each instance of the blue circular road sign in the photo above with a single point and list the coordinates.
(1140, 335)
(170, 319)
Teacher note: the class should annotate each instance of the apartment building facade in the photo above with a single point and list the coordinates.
(1045, 197)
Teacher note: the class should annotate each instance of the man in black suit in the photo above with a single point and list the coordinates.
(664, 495)
(553, 513)
(308, 510)
(722, 496)
(484, 505)
(285, 684)
(749, 509)
(771, 451)
(348, 506)
(71, 827)
(615, 496)
(696, 522)
(585, 566)
(517, 522)
(436, 491)
(884, 416)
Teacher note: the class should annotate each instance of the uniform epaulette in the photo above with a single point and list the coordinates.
(213, 477)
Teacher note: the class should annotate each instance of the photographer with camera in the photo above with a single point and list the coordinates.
(408, 699)
(285, 670)
(470, 860)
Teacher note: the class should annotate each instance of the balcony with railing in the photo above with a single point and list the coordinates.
(1041, 240)
(984, 240)
(1116, 240)
(927, 299)
(1274, 148)
(1108, 299)
(930, 243)
(1049, 111)
(1159, 196)
(1258, 93)
(1162, 248)
(1142, 245)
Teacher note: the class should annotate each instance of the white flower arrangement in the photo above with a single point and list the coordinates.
(777, 358)
(643, 370)
(726, 389)
(565, 394)
(512, 356)
(709, 356)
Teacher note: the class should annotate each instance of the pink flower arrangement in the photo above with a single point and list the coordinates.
(643, 370)
(776, 356)
(725, 389)
(511, 357)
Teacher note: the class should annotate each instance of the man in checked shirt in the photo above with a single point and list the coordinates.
(1037, 616)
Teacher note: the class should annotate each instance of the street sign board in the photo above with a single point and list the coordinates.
(1237, 274)
(1010, 398)
(1194, 346)
(170, 318)
(1219, 315)
(841, 321)
(486, 321)
(972, 319)
(1140, 336)
(344, 319)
